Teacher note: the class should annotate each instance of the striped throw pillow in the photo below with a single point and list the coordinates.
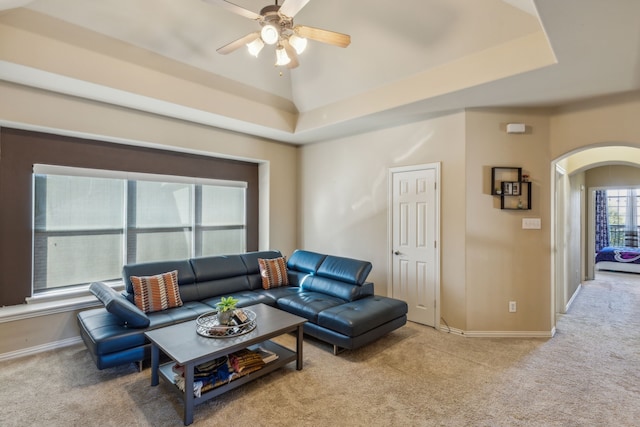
(156, 293)
(273, 272)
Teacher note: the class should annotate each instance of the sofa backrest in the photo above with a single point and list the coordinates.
(219, 275)
(344, 278)
(305, 261)
(348, 270)
(250, 260)
(208, 277)
(186, 276)
(302, 264)
(337, 288)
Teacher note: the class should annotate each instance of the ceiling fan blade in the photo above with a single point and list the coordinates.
(324, 36)
(292, 54)
(235, 9)
(228, 48)
(291, 7)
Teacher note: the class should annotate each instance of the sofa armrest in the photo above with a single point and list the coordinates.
(119, 306)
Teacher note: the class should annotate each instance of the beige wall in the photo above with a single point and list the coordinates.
(98, 62)
(344, 183)
(504, 262)
(578, 133)
(601, 155)
(344, 198)
(34, 108)
(332, 196)
(610, 120)
(613, 176)
(38, 332)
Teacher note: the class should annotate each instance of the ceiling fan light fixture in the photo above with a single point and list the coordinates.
(298, 43)
(281, 56)
(269, 34)
(277, 29)
(255, 47)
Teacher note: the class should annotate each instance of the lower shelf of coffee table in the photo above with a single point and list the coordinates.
(285, 356)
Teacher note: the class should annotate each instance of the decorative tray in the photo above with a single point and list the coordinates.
(209, 326)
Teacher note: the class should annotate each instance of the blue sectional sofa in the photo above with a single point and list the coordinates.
(330, 291)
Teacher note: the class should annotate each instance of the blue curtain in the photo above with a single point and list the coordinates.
(602, 220)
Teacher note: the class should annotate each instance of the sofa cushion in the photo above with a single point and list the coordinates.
(273, 272)
(345, 269)
(103, 333)
(244, 298)
(276, 293)
(188, 311)
(156, 293)
(116, 304)
(357, 317)
(308, 304)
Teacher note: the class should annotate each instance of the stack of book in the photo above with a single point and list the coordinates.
(266, 355)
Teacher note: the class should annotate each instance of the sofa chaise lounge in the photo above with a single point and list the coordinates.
(330, 291)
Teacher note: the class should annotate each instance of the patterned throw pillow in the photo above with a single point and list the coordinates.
(273, 272)
(156, 293)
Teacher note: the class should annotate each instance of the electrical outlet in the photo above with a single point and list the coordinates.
(512, 307)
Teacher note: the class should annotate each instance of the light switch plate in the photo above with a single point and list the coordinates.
(531, 224)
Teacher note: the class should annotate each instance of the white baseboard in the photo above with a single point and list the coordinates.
(455, 331)
(510, 334)
(573, 297)
(496, 334)
(40, 348)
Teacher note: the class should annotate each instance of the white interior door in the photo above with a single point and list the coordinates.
(415, 235)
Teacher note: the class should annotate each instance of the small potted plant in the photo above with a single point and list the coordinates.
(225, 307)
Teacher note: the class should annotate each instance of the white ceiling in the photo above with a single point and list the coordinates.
(408, 59)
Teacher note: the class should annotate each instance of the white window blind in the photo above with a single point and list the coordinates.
(88, 223)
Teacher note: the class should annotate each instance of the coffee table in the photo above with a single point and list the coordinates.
(183, 345)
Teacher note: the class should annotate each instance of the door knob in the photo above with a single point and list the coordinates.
(396, 252)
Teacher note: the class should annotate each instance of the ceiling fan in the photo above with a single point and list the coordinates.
(278, 29)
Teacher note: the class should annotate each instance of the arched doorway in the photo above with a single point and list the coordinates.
(572, 254)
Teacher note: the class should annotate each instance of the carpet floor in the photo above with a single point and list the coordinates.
(587, 375)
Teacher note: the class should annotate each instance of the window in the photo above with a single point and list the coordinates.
(621, 214)
(88, 223)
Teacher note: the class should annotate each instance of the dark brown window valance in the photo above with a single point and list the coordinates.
(21, 149)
